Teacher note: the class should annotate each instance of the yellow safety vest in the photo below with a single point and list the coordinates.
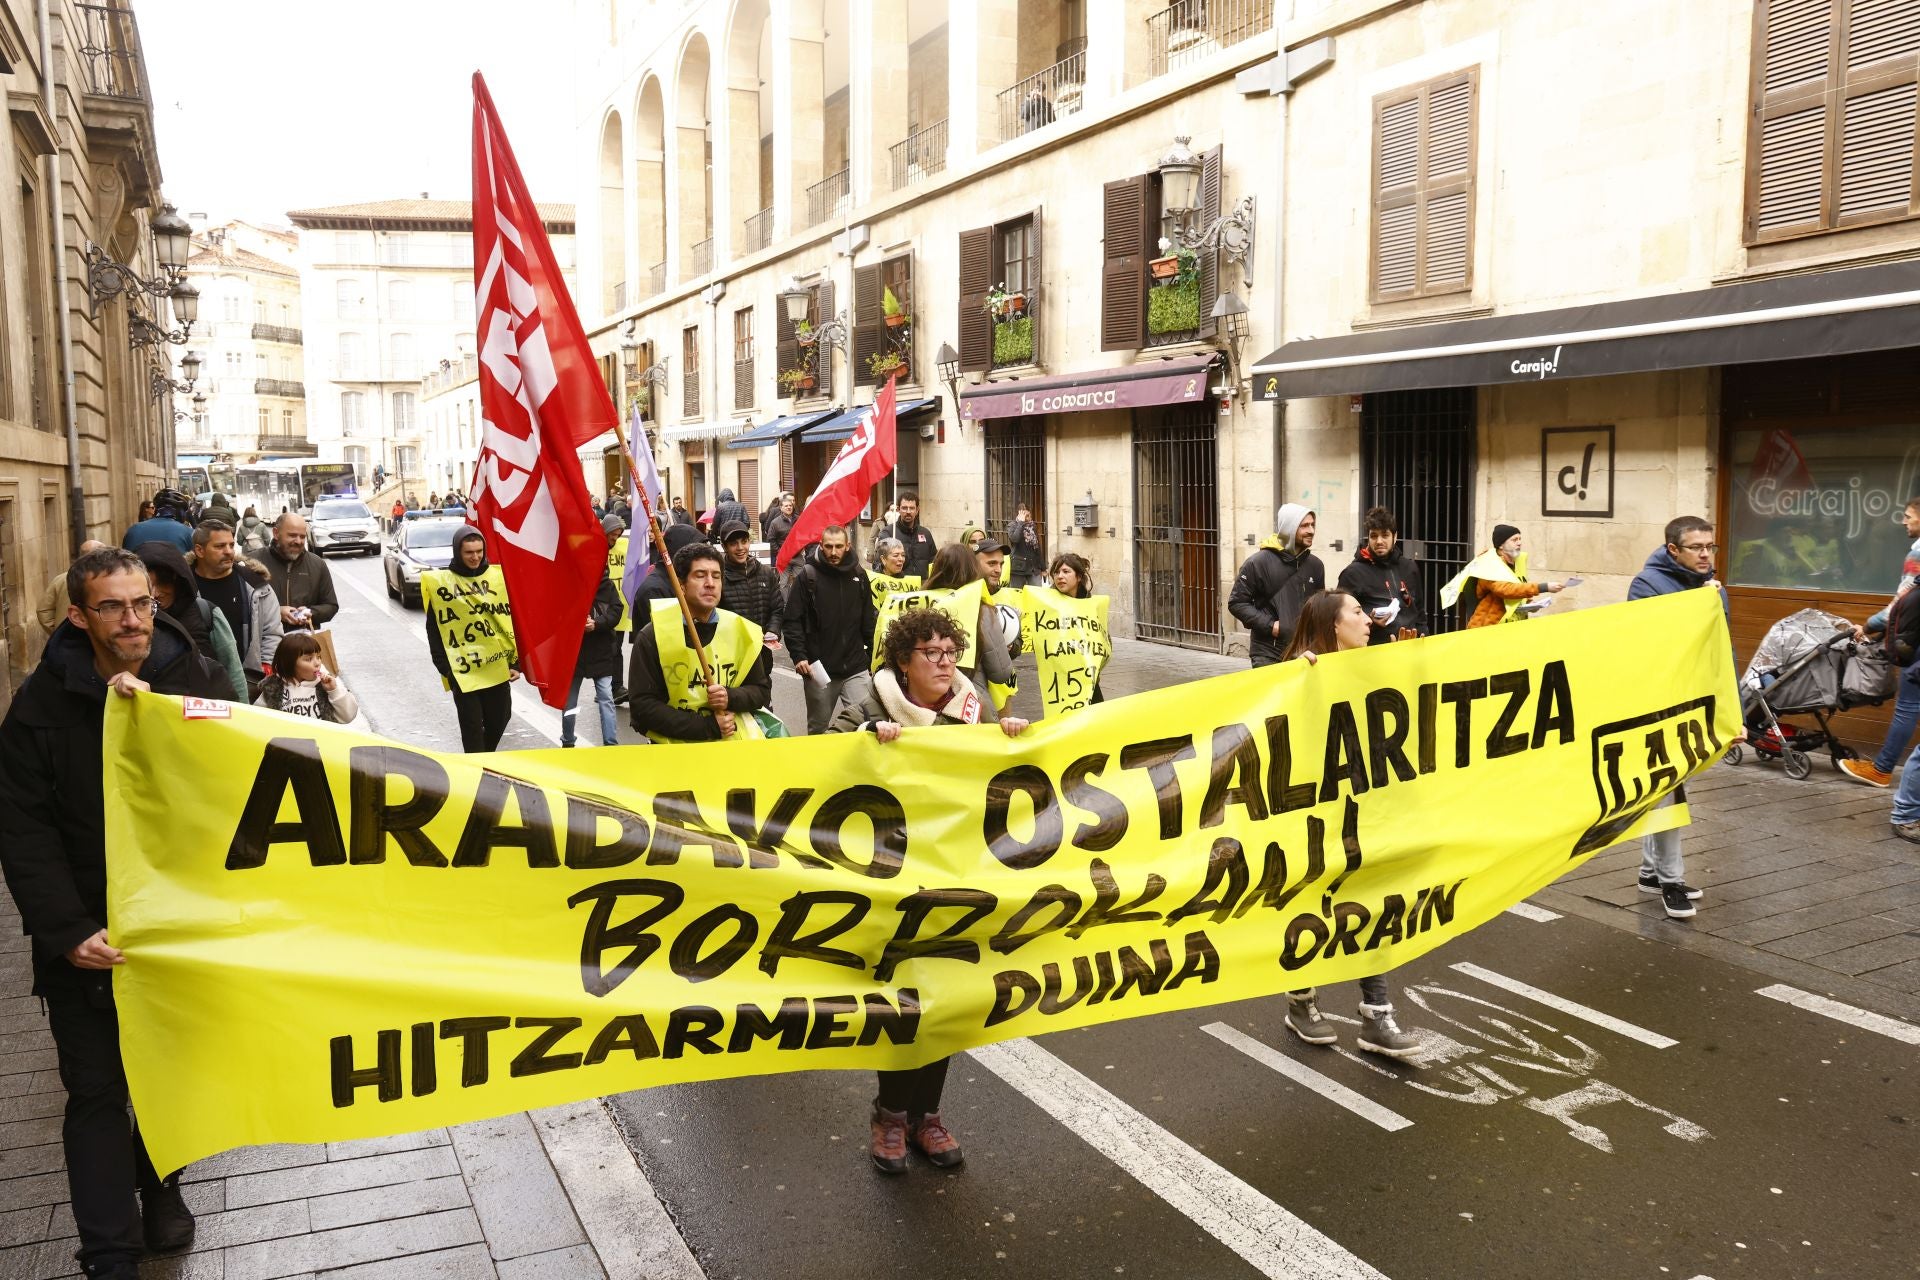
(886, 584)
(617, 570)
(735, 647)
(1071, 646)
(1491, 566)
(475, 623)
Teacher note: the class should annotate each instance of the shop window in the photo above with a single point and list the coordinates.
(1820, 509)
(1831, 143)
(1424, 160)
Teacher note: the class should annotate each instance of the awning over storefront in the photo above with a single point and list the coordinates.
(1150, 382)
(840, 426)
(680, 431)
(771, 433)
(1789, 318)
(597, 446)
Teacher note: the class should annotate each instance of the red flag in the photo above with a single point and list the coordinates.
(867, 455)
(541, 397)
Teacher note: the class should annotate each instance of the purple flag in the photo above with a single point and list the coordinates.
(640, 537)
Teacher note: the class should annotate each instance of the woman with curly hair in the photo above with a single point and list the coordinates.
(916, 688)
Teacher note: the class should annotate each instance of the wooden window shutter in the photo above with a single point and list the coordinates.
(1832, 143)
(1446, 223)
(1423, 186)
(786, 348)
(786, 464)
(743, 383)
(690, 370)
(823, 359)
(1123, 280)
(867, 323)
(976, 277)
(747, 487)
(1212, 177)
(1396, 197)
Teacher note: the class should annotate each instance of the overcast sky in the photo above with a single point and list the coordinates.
(262, 106)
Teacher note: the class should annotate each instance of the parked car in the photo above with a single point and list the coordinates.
(343, 524)
(423, 541)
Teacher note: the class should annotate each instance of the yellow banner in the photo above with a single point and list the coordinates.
(344, 937)
(885, 584)
(617, 570)
(1070, 646)
(475, 624)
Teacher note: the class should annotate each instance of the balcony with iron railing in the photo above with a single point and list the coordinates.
(700, 257)
(280, 387)
(110, 55)
(1188, 31)
(827, 198)
(656, 279)
(276, 333)
(759, 231)
(922, 154)
(1044, 96)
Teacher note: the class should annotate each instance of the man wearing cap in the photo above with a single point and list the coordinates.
(748, 587)
(1275, 582)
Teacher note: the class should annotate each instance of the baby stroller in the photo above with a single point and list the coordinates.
(1808, 664)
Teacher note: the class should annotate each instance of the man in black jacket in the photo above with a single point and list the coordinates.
(598, 663)
(302, 580)
(53, 851)
(748, 587)
(830, 618)
(1275, 581)
(1385, 580)
(665, 698)
(729, 510)
(916, 538)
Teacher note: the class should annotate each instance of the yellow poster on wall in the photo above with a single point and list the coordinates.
(343, 936)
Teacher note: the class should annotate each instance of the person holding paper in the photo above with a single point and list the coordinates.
(1386, 581)
(830, 616)
(1499, 579)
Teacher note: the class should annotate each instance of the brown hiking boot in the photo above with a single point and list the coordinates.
(932, 1139)
(889, 1145)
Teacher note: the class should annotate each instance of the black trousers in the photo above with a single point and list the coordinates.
(916, 1092)
(483, 716)
(106, 1160)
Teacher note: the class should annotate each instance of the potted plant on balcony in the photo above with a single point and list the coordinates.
(803, 333)
(795, 381)
(1171, 263)
(884, 364)
(890, 307)
(642, 398)
(1173, 304)
(1003, 305)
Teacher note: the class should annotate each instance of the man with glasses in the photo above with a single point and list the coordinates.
(1685, 563)
(53, 851)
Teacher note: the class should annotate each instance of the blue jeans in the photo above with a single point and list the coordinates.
(1906, 801)
(602, 694)
(1906, 714)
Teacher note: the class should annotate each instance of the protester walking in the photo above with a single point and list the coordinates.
(1023, 542)
(890, 554)
(1274, 582)
(1072, 576)
(915, 688)
(1498, 576)
(989, 663)
(1386, 580)
(727, 511)
(253, 534)
(915, 537)
(169, 523)
(599, 662)
(219, 508)
(1684, 563)
(830, 616)
(302, 580)
(1335, 622)
(668, 697)
(53, 852)
(775, 528)
(1898, 628)
(175, 588)
(241, 594)
(300, 684)
(748, 587)
(470, 639)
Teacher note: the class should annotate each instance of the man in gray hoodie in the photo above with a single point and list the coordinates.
(1275, 581)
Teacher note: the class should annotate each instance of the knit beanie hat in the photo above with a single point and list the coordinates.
(1501, 532)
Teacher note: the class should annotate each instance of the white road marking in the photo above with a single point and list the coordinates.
(1271, 1240)
(1330, 1089)
(1566, 1006)
(1531, 912)
(1905, 1032)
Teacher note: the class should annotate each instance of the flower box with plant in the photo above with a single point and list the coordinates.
(641, 397)
(1013, 341)
(884, 364)
(1003, 305)
(1174, 309)
(803, 333)
(1176, 265)
(796, 380)
(890, 307)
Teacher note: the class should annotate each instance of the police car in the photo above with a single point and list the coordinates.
(423, 541)
(343, 524)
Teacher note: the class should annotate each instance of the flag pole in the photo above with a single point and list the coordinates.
(660, 549)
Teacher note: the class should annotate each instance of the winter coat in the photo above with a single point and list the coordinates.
(261, 630)
(650, 710)
(159, 529)
(728, 509)
(206, 625)
(305, 580)
(435, 649)
(753, 591)
(254, 534)
(1273, 584)
(52, 792)
(921, 546)
(1375, 581)
(830, 616)
(680, 515)
(307, 698)
(224, 513)
(1662, 575)
(872, 707)
(775, 531)
(1029, 558)
(600, 647)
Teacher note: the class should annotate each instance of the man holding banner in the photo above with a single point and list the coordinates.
(666, 694)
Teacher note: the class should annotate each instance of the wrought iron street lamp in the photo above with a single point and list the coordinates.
(947, 361)
(1229, 236)
(1229, 316)
(109, 278)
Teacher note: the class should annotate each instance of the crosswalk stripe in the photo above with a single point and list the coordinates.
(1271, 1240)
(1566, 1006)
(1330, 1089)
(1905, 1032)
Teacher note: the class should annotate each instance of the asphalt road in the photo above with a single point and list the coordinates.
(1591, 1103)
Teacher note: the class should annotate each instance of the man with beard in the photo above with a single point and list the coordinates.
(301, 579)
(243, 596)
(53, 851)
(830, 619)
(918, 540)
(1275, 582)
(1386, 581)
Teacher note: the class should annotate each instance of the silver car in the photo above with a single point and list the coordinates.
(343, 524)
(423, 541)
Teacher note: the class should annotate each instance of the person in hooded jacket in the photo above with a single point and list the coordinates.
(219, 508)
(113, 643)
(483, 713)
(775, 528)
(253, 533)
(175, 588)
(748, 587)
(598, 663)
(729, 510)
(830, 619)
(1386, 581)
(1277, 579)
